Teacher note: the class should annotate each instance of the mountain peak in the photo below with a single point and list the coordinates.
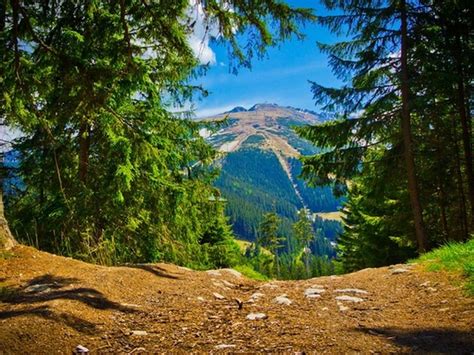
(263, 106)
(237, 109)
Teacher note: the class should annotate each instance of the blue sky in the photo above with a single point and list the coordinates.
(282, 77)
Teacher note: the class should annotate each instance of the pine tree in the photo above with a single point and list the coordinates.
(6, 239)
(402, 110)
(304, 233)
(370, 107)
(269, 238)
(113, 173)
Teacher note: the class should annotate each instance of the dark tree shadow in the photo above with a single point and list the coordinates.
(438, 340)
(52, 281)
(81, 325)
(155, 270)
(88, 296)
(49, 288)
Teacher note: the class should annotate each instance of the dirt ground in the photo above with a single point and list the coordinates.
(51, 304)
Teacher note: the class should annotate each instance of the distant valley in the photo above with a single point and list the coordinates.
(260, 169)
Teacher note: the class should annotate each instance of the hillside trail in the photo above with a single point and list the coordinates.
(52, 304)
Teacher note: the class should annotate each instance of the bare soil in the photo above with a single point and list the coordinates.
(50, 304)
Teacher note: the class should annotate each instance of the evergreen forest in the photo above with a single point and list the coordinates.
(108, 165)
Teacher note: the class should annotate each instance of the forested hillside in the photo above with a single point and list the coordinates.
(259, 170)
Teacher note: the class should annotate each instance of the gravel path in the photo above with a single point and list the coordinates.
(53, 304)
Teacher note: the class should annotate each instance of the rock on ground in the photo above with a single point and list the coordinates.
(349, 299)
(256, 316)
(282, 300)
(351, 290)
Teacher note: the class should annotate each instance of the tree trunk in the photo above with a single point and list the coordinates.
(464, 114)
(442, 208)
(462, 198)
(441, 190)
(413, 188)
(308, 275)
(277, 264)
(6, 238)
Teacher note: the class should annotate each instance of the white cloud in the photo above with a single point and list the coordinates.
(7, 136)
(203, 30)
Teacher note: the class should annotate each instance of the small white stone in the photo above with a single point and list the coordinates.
(282, 300)
(224, 346)
(256, 316)
(81, 350)
(201, 299)
(255, 297)
(349, 298)
(218, 296)
(425, 284)
(130, 305)
(139, 332)
(315, 295)
(342, 308)
(351, 290)
(309, 292)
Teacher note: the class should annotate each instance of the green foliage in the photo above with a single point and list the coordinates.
(375, 226)
(455, 257)
(365, 150)
(253, 182)
(287, 265)
(304, 234)
(268, 232)
(260, 261)
(303, 228)
(250, 273)
(111, 174)
(319, 198)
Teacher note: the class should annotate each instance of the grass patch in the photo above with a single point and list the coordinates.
(244, 244)
(250, 273)
(454, 257)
